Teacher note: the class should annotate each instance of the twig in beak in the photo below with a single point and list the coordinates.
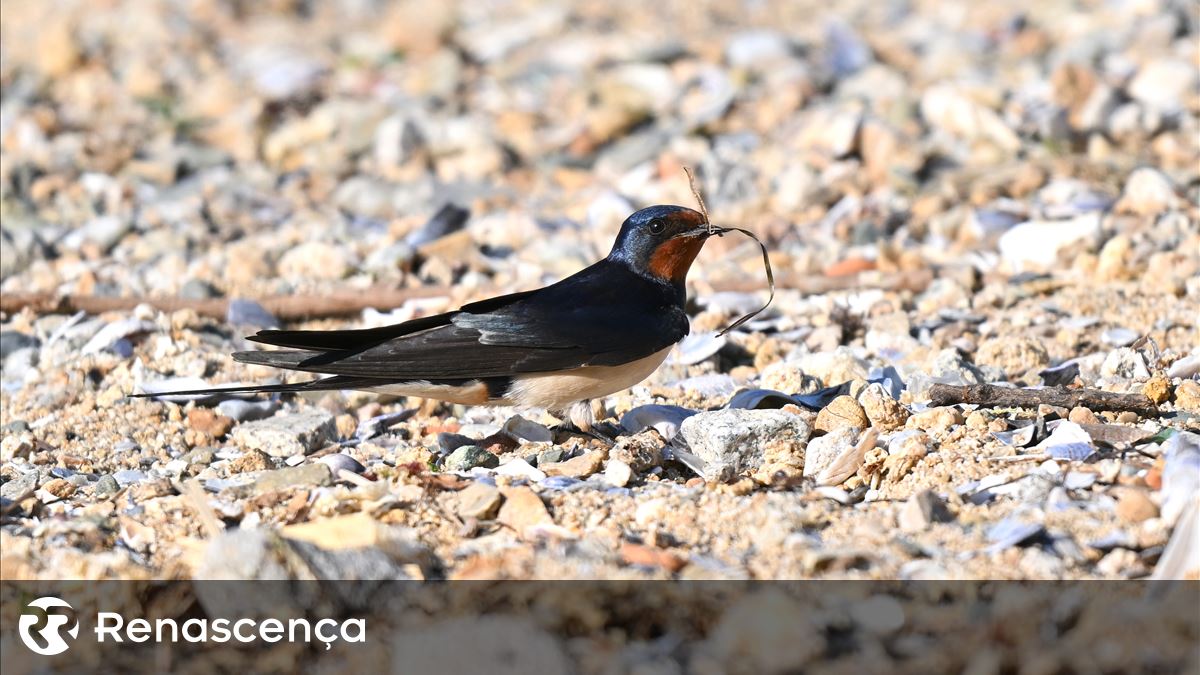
(720, 231)
(699, 199)
(770, 278)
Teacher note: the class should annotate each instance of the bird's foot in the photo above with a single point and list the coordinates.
(604, 432)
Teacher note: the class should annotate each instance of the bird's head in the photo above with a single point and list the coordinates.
(662, 241)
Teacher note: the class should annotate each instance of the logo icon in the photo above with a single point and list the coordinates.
(51, 633)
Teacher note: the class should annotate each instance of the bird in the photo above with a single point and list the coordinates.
(597, 332)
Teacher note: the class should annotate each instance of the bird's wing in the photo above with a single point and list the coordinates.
(363, 338)
(563, 326)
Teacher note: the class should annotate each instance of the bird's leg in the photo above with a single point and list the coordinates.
(580, 419)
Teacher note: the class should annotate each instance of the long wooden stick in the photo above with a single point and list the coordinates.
(284, 307)
(1007, 397)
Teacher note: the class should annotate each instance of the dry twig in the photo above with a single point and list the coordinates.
(284, 307)
(1007, 397)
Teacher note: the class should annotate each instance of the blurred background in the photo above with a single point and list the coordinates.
(959, 192)
(212, 148)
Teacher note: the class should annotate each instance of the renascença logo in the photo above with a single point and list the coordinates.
(51, 633)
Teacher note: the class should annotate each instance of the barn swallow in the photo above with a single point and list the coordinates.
(597, 332)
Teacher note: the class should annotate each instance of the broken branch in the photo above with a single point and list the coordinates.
(284, 307)
(1062, 397)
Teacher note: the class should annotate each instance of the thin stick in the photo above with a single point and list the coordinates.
(1062, 397)
(770, 281)
(284, 307)
(699, 199)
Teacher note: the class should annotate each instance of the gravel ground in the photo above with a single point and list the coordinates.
(952, 193)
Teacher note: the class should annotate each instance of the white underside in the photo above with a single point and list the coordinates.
(549, 391)
(557, 391)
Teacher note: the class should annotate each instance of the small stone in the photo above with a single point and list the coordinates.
(698, 347)
(835, 367)
(208, 422)
(576, 467)
(449, 442)
(1113, 260)
(1118, 562)
(127, 477)
(1187, 367)
(467, 457)
(103, 232)
(199, 457)
(752, 48)
(951, 109)
(1164, 84)
(1082, 415)
(842, 412)
(1119, 337)
(548, 456)
(641, 452)
(479, 500)
(735, 441)
(247, 411)
(665, 419)
(651, 556)
(617, 473)
(316, 260)
(1187, 396)
(1078, 480)
(11, 341)
(785, 377)
(151, 489)
(921, 510)
(1036, 245)
(977, 420)
(1134, 506)
(949, 367)
(523, 510)
(56, 489)
(305, 475)
(1013, 355)
(524, 430)
(107, 485)
(1051, 411)
(825, 450)
(1125, 363)
(286, 435)
(520, 469)
(905, 451)
(881, 409)
(340, 461)
(15, 489)
(937, 419)
(254, 460)
(1157, 389)
(355, 532)
(56, 49)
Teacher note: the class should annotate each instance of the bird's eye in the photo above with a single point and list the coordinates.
(657, 226)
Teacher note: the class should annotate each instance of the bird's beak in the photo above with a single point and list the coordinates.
(704, 232)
